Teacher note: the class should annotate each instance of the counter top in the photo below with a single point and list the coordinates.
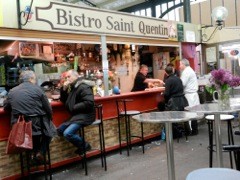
(132, 94)
(143, 101)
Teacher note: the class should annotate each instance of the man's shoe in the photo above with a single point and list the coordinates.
(88, 147)
(40, 159)
(80, 150)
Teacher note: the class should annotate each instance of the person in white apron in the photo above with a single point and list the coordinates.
(190, 85)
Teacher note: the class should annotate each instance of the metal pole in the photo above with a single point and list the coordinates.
(187, 11)
(218, 137)
(170, 154)
(104, 64)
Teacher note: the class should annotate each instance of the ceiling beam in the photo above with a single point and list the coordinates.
(84, 1)
(106, 3)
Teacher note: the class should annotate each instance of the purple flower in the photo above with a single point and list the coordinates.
(221, 76)
(222, 79)
(235, 81)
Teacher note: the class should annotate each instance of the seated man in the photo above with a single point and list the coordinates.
(77, 95)
(28, 99)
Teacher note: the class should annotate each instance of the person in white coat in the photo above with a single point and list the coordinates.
(190, 85)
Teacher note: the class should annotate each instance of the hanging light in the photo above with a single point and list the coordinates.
(219, 15)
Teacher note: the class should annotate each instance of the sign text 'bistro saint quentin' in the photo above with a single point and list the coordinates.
(71, 18)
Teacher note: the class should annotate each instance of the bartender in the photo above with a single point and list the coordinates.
(141, 81)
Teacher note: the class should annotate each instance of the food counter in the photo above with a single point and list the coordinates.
(62, 152)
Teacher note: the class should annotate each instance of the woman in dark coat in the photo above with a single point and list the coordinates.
(175, 100)
(173, 95)
(77, 95)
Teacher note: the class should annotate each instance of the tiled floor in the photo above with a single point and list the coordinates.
(189, 155)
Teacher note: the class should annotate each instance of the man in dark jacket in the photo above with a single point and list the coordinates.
(141, 81)
(28, 99)
(77, 95)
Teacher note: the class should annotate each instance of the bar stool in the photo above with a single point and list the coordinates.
(125, 114)
(223, 117)
(98, 122)
(236, 150)
(46, 155)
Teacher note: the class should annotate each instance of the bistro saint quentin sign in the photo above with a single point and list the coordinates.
(71, 18)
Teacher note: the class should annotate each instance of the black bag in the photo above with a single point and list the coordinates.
(178, 130)
(176, 103)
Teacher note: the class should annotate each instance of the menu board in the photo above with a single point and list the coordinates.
(211, 55)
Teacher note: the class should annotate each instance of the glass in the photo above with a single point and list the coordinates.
(223, 98)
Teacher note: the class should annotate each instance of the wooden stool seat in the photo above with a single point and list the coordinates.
(130, 113)
(223, 117)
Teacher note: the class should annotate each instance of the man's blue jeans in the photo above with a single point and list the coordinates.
(70, 133)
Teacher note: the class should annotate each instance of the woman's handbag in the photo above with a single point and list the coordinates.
(20, 137)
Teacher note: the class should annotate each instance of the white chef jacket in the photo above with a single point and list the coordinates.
(190, 84)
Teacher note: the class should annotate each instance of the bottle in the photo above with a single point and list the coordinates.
(163, 134)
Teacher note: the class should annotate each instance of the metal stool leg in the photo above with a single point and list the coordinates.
(210, 132)
(103, 145)
(49, 162)
(119, 135)
(46, 153)
(27, 153)
(235, 154)
(81, 135)
(47, 158)
(45, 165)
(127, 134)
(84, 152)
(230, 139)
(22, 166)
(100, 143)
(101, 135)
(142, 136)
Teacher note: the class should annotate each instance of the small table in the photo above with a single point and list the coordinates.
(168, 117)
(212, 108)
(213, 173)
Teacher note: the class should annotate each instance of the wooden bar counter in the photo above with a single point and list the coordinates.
(62, 152)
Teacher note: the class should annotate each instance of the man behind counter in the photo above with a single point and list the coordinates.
(141, 81)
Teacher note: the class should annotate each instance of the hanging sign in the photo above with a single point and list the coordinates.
(65, 17)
